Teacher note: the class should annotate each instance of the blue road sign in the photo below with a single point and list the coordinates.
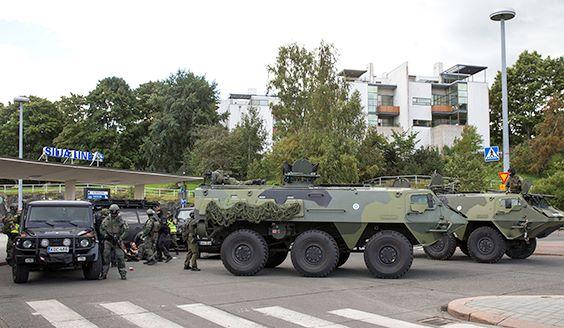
(491, 154)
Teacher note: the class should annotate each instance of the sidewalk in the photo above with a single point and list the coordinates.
(511, 311)
(550, 247)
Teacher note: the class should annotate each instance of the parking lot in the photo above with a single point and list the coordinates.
(164, 295)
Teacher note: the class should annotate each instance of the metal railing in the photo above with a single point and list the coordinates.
(49, 188)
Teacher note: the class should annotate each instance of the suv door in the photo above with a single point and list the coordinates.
(130, 216)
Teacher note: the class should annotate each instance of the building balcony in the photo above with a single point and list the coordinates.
(442, 109)
(388, 110)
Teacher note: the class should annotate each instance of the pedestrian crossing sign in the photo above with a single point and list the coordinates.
(491, 154)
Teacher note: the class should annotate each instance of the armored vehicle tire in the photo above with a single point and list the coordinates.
(20, 273)
(486, 245)
(388, 254)
(520, 249)
(463, 248)
(275, 258)
(315, 253)
(442, 249)
(343, 257)
(91, 270)
(244, 252)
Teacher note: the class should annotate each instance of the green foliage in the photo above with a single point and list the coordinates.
(212, 151)
(370, 155)
(425, 161)
(531, 81)
(317, 117)
(552, 185)
(42, 123)
(185, 103)
(249, 140)
(465, 162)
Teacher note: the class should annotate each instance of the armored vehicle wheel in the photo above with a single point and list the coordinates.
(315, 253)
(388, 254)
(442, 249)
(244, 252)
(343, 257)
(463, 248)
(520, 249)
(20, 273)
(91, 270)
(275, 258)
(486, 245)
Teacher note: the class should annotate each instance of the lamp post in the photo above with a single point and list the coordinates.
(502, 15)
(21, 100)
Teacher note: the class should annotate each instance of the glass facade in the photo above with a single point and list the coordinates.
(372, 99)
(421, 101)
(384, 100)
(259, 102)
(457, 95)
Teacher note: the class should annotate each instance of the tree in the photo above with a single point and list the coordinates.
(465, 162)
(370, 155)
(398, 153)
(105, 122)
(317, 117)
(213, 150)
(552, 185)
(42, 123)
(249, 139)
(425, 161)
(531, 81)
(187, 103)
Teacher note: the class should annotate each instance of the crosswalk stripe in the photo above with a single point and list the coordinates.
(59, 315)
(297, 318)
(461, 325)
(375, 319)
(219, 317)
(139, 316)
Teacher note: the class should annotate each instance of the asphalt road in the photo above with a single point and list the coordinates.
(152, 295)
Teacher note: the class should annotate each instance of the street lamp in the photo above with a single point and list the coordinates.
(502, 15)
(21, 100)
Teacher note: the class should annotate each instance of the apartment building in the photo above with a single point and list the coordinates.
(435, 107)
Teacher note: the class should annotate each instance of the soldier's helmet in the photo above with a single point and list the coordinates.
(114, 209)
(13, 207)
(150, 212)
(512, 171)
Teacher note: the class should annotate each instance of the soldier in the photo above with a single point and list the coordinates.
(150, 232)
(114, 230)
(514, 184)
(189, 234)
(11, 228)
(171, 222)
(163, 241)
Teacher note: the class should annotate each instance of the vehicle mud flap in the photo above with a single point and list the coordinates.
(351, 232)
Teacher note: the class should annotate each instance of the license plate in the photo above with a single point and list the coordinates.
(205, 243)
(58, 249)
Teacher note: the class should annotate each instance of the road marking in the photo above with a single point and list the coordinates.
(375, 319)
(297, 318)
(139, 316)
(59, 315)
(462, 325)
(219, 317)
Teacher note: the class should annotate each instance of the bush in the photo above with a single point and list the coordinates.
(552, 185)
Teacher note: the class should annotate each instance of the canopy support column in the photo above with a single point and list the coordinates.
(139, 191)
(70, 190)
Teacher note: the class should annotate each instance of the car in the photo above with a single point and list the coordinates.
(56, 234)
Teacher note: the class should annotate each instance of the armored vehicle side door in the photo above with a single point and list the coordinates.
(423, 211)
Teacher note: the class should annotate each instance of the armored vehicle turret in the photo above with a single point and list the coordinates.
(258, 224)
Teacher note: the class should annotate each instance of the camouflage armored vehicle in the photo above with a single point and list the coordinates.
(498, 223)
(257, 224)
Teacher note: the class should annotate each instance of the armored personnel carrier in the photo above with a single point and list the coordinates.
(258, 225)
(498, 222)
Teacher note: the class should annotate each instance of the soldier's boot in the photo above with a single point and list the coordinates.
(151, 262)
(168, 259)
(187, 267)
(195, 269)
(104, 273)
(123, 275)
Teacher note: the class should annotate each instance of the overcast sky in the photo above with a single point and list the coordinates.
(52, 48)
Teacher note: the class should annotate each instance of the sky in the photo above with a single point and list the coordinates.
(52, 48)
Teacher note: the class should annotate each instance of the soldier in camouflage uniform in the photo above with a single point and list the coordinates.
(113, 231)
(150, 233)
(11, 228)
(514, 183)
(189, 234)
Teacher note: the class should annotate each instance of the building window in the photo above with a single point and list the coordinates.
(421, 101)
(259, 102)
(440, 100)
(387, 121)
(372, 121)
(384, 100)
(423, 123)
(372, 99)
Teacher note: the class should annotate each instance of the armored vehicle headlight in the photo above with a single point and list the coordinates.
(44, 242)
(27, 243)
(66, 242)
(84, 243)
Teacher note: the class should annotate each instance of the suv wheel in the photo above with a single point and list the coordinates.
(20, 273)
(244, 252)
(388, 254)
(315, 253)
(520, 249)
(442, 249)
(486, 245)
(91, 270)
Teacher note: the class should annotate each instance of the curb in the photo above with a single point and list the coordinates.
(459, 310)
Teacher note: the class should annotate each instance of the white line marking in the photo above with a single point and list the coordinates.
(59, 315)
(139, 316)
(297, 318)
(219, 317)
(462, 325)
(375, 319)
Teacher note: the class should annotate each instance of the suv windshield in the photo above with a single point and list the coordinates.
(59, 215)
(184, 214)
